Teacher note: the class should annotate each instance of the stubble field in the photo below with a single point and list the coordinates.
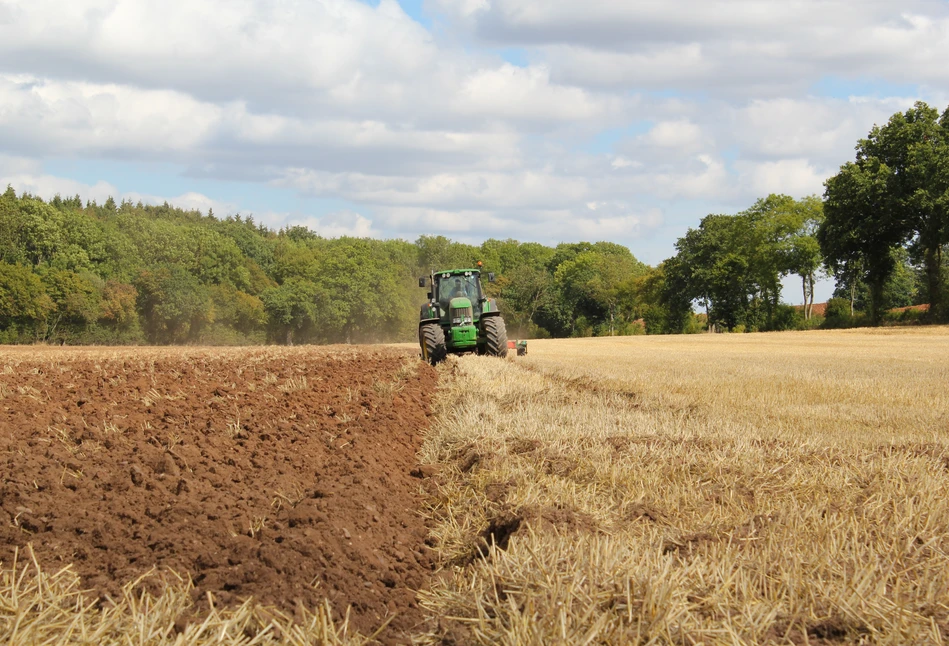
(714, 489)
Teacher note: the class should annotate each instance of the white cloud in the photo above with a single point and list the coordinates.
(433, 132)
(337, 224)
(48, 186)
(622, 162)
(53, 117)
(795, 177)
(721, 46)
(612, 221)
(681, 135)
(13, 165)
(469, 190)
(527, 93)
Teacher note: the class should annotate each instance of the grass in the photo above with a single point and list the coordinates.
(714, 489)
(38, 607)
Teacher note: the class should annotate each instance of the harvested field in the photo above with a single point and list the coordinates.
(281, 474)
(715, 489)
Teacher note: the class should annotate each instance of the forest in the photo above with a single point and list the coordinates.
(122, 273)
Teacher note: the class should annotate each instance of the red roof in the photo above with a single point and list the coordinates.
(916, 308)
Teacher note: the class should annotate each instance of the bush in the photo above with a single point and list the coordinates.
(787, 317)
(837, 315)
(903, 317)
(816, 321)
(695, 324)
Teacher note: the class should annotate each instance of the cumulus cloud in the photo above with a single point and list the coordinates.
(611, 221)
(333, 225)
(47, 186)
(681, 135)
(720, 45)
(796, 177)
(633, 108)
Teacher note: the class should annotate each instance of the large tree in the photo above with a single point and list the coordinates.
(895, 193)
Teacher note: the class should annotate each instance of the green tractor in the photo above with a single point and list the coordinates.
(458, 317)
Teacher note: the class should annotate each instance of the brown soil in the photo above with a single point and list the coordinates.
(282, 474)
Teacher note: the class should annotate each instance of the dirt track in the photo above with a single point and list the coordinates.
(278, 473)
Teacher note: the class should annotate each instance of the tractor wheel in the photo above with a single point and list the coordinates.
(496, 342)
(432, 339)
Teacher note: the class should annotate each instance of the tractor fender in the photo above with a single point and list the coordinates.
(490, 308)
(428, 313)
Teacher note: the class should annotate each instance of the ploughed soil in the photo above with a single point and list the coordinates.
(278, 473)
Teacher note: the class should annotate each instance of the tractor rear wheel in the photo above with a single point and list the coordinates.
(496, 337)
(432, 339)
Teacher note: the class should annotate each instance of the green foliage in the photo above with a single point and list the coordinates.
(293, 308)
(732, 265)
(129, 273)
(895, 193)
(24, 304)
(838, 314)
(76, 302)
(175, 306)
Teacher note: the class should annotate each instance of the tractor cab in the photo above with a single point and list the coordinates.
(450, 287)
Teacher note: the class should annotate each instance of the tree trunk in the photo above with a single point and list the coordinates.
(810, 307)
(853, 295)
(876, 300)
(933, 261)
(807, 313)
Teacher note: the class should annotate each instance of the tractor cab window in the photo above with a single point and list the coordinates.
(457, 286)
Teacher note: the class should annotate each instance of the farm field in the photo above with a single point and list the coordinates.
(715, 489)
(277, 473)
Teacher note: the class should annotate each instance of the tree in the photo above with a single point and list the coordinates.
(860, 228)
(896, 192)
(175, 306)
(438, 252)
(23, 299)
(292, 308)
(713, 266)
(75, 300)
(661, 292)
(117, 307)
(801, 250)
(902, 287)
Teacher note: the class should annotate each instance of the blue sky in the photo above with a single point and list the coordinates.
(551, 122)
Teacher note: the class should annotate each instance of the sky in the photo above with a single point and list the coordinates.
(548, 121)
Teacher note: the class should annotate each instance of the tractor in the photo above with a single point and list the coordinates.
(458, 317)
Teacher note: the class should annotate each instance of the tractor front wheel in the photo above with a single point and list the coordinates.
(496, 337)
(432, 339)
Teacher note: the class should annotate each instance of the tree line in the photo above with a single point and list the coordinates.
(74, 272)
(881, 232)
